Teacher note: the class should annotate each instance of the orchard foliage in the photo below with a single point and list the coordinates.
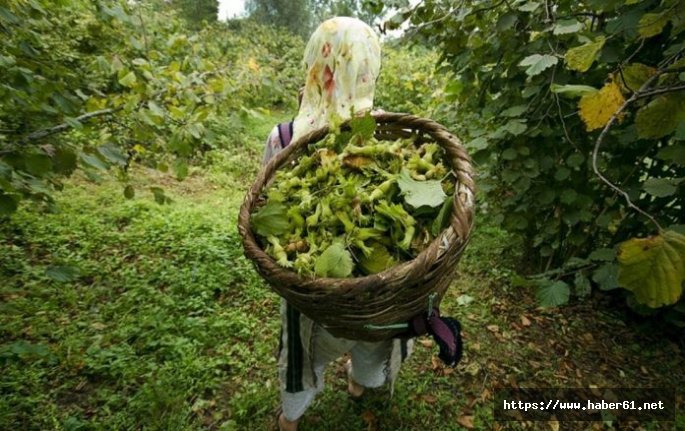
(575, 111)
(409, 81)
(95, 85)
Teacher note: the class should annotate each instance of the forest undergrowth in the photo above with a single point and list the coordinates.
(126, 314)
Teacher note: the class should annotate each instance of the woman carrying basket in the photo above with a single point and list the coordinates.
(342, 60)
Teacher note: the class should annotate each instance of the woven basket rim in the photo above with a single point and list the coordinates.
(323, 284)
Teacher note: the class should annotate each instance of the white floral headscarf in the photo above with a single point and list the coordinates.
(343, 59)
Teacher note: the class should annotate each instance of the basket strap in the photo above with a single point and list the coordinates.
(295, 352)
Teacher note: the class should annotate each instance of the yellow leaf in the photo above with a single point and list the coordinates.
(253, 65)
(653, 268)
(597, 108)
(652, 24)
(581, 57)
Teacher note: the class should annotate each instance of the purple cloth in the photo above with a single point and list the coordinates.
(446, 331)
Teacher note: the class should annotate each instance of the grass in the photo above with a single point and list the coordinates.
(126, 314)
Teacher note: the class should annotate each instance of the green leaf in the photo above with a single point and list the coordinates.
(510, 175)
(93, 161)
(38, 164)
(195, 130)
(680, 131)
(562, 173)
(515, 127)
(271, 219)
(661, 187)
(129, 192)
(477, 144)
(674, 153)
(335, 262)
(530, 6)
(606, 276)
(73, 122)
(538, 63)
(442, 220)
(572, 90)
(129, 80)
(180, 167)
(582, 285)
(514, 111)
(653, 268)
(159, 195)
(634, 75)
(378, 261)
(652, 24)
(506, 21)
(64, 161)
(581, 57)
(155, 109)
(568, 196)
(421, 193)
(603, 255)
(566, 26)
(660, 117)
(63, 274)
(5, 170)
(575, 160)
(8, 204)
(113, 154)
(529, 91)
(8, 17)
(364, 126)
(509, 154)
(553, 294)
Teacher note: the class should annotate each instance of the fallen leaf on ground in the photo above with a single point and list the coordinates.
(426, 342)
(466, 421)
(371, 421)
(493, 328)
(430, 399)
(525, 321)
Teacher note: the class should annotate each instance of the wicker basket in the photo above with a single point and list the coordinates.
(347, 306)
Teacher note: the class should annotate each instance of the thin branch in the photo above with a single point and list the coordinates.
(549, 16)
(437, 20)
(598, 144)
(639, 48)
(661, 91)
(40, 134)
(563, 123)
(483, 9)
(675, 70)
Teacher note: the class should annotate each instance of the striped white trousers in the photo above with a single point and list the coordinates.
(306, 348)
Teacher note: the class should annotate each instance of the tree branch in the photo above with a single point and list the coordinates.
(604, 132)
(661, 91)
(40, 134)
